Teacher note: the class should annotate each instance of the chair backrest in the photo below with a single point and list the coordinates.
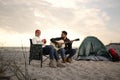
(31, 42)
(35, 51)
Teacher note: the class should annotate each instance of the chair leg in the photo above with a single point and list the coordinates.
(41, 60)
(45, 58)
(29, 61)
(41, 63)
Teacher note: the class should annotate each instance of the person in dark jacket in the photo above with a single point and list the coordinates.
(67, 49)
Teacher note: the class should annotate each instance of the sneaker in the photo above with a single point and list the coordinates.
(68, 60)
(60, 64)
(52, 64)
(64, 61)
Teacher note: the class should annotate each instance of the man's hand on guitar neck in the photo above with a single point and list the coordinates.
(71, 41)
(74, 40)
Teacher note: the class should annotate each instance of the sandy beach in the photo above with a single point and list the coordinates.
(77, 70)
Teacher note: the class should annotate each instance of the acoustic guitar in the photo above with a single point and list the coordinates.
(62, 43)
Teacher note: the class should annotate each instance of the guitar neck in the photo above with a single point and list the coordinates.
(71, 40)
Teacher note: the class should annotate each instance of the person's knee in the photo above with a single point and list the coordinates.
(50, 47)
(62, 50)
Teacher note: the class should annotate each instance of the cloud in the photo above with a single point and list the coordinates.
(62, 3)
(37, 13)
(81, 17)
(88, 19)
(24, 15)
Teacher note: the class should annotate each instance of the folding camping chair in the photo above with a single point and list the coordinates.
(36, 53)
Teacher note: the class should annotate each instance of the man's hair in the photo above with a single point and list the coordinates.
(64, 32)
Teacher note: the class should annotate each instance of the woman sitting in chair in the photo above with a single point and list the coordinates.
(49, 49)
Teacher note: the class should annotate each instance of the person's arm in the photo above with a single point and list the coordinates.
(54, 40)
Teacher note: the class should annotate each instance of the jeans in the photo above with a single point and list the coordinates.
(71, 52)
(64, 52)
(51, 51)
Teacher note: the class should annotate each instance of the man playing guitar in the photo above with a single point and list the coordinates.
(64, 50)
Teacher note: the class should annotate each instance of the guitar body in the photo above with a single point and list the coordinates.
(56, 46)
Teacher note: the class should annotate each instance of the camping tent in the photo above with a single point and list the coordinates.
(92, 48)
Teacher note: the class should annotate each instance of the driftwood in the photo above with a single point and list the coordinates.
(4, 77)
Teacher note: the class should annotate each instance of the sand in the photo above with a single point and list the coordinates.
(77, 70)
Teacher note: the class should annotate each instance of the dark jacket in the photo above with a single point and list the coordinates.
(68, 45)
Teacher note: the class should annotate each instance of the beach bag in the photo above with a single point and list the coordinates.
(114, 55)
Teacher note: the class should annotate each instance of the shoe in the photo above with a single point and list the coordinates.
(64, 61)
(60, 64)
(52, 64)
(68, 60)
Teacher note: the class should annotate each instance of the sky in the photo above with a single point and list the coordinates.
(80, 18)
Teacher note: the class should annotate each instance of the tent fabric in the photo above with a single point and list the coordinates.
(93, 58)
(93, 48)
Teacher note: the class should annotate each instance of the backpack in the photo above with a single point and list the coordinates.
(115, 56)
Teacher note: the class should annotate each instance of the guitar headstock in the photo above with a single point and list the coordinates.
(77, 39)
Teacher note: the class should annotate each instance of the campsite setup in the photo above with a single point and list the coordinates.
(93, 49)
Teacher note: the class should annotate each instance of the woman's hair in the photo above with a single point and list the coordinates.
(37, 30)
